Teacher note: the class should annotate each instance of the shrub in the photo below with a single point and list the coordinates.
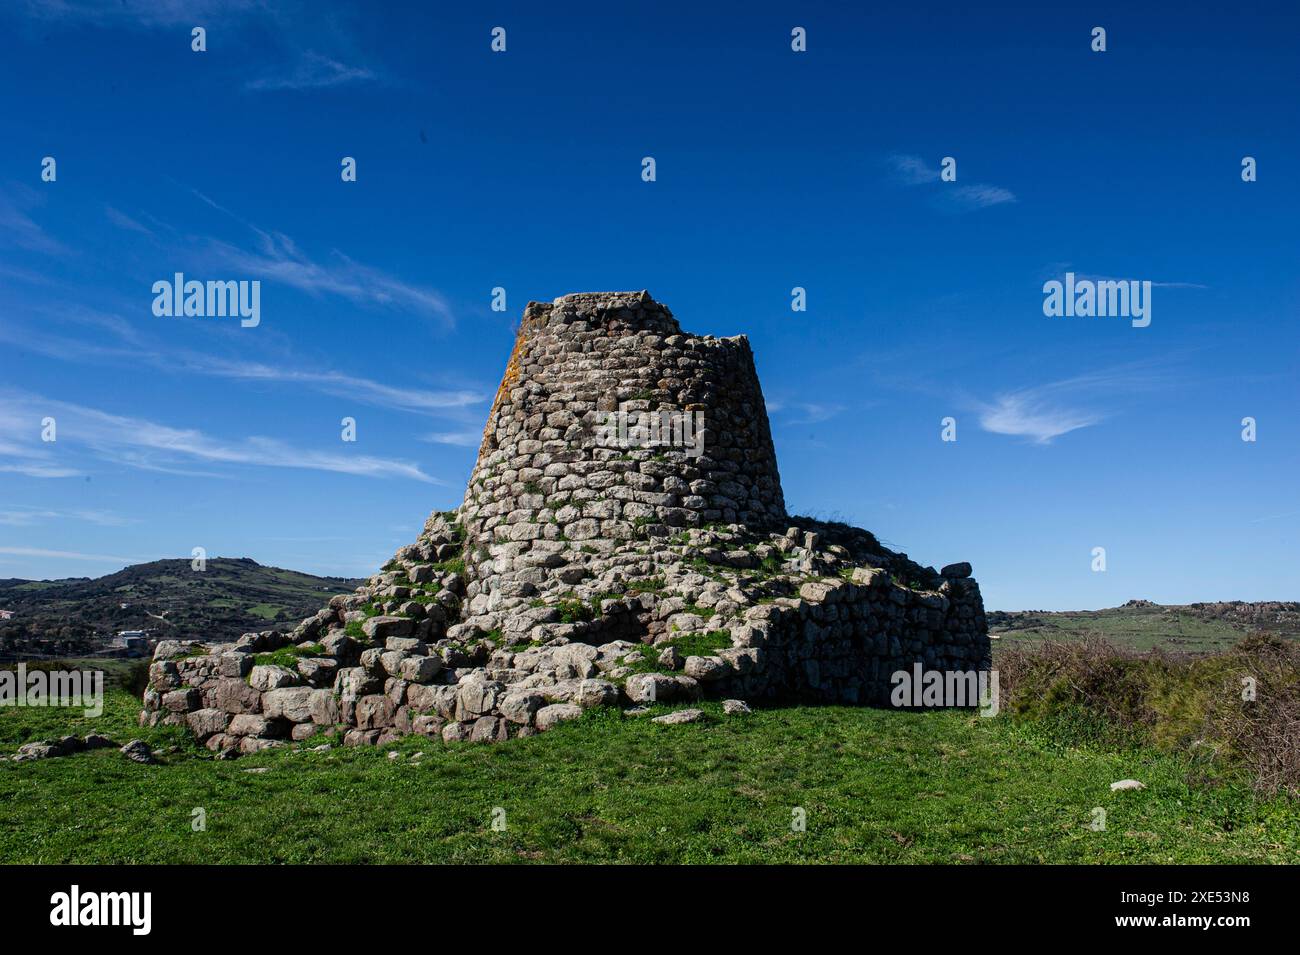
(1195, 704)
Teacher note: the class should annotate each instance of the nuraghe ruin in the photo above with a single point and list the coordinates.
(623, 541)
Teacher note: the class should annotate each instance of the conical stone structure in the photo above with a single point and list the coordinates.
(612, 425)
(623, 541)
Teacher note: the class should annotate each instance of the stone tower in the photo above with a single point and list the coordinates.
(612, 424)
(623, 541)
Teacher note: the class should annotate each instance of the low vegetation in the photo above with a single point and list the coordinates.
(1238, 710)
(873, 785)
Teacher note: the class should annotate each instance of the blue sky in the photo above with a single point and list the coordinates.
(775, 169)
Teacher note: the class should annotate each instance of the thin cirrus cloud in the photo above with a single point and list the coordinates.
(139, 13)
(28, 516)
(313, 71)
(1027, 414)
(915, 171)
(459, 439)
(342, 385)
(1042, 413)
(304, 68)
(67, 555)
(278, 258)
(18, 229)
(152, 446)
(124, 221)
(127, 346)
(802, 412)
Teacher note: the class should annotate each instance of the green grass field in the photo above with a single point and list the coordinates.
(1140, 628)
(876, 786)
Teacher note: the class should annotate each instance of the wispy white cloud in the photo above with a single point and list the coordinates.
(29, 516)
(149, 445)
(461, 439)
(124, 221)
(295, 26)
(1045, 412)
(67, 555)
(915, 171)
(118, 341)
(802, 412)
(277, 257)
(140, 13)
(313, 71)
(980, 196)
(17, 228)
(340, 384)
(1111, 278)
(1029, 414)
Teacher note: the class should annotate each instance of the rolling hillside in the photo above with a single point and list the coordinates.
(231, 596)
(1143, 625)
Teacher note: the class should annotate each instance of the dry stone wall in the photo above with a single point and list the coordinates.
(590, 566)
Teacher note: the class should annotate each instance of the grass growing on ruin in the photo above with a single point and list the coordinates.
(289, 656)
(876, 786)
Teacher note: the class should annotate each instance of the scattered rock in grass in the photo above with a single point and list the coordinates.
(671, 658)
(394, 754)
(138, 751)
(680, 716)
(637, 711)
(1124, 784)
(258, 769)
(735, 707)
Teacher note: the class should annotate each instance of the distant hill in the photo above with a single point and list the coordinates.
(1143, 625)
(231, 596)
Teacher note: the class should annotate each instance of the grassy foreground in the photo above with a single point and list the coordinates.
(875, 786)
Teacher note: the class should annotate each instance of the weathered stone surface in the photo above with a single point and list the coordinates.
(338, 645)
(520, 706)
(318, 671)
(360, 737)
(323, 707)
(706, 669)
(248, 724)
(375, 712)
(382, 627)
(407, 644)
(419, 669)
(235, 665)
(548, 716)
(353, 683)
(236, 696)
(660, 688)
(735, 707)
(181, 701)
(205, 723)
(679, 716)
(271, 677)
(456, 732)
(487, 729)
(428, 725)
(289, 703)
(474, 699)
(138, 751)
